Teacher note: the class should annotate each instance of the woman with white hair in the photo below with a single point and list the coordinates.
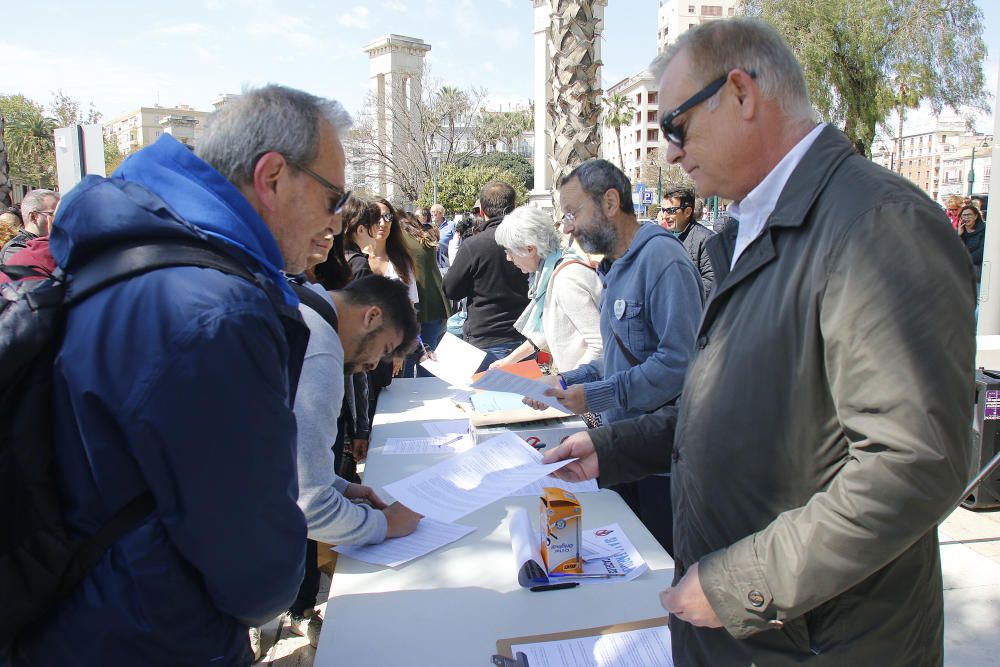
(564, 314)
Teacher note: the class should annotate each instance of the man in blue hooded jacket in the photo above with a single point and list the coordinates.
(179, 383)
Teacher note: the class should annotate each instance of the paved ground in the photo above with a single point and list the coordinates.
(970, 556)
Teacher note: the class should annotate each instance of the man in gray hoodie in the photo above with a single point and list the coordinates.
(650, 311)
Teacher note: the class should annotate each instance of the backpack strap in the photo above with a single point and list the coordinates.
(122, 262)
(317, 303)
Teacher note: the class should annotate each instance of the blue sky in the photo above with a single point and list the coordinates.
(122, 55)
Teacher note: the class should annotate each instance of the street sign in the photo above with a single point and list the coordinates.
(647, 197)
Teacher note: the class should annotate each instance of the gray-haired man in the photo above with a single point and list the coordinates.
(179, 383)
(823, 428)
(38, 208)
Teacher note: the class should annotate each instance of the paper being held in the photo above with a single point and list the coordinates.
(473, 479)
(454, 360)
(497, 379)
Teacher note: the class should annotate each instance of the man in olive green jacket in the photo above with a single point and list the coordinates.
(823, 427)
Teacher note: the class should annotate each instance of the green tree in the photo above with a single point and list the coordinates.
(28, 134)
(458, 187)
(618, 112)
(503, 127)
(858, 55)
(512, 162)
(5, 183)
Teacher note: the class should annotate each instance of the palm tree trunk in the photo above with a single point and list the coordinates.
(618, 136)
(5, 183)
(574, 89)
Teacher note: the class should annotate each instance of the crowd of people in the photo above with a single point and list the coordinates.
(784, 403)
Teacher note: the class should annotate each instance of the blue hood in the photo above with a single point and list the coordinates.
(199, 201)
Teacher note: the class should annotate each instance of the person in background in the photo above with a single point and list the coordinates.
(38, 208)
(973, 232)
(10, 225)
(564, 315)
(952, 207)
(678, 216)
(495, 290)
(434, 307)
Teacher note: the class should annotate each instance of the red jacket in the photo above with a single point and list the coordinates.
(35, 253)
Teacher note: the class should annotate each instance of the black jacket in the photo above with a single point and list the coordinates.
(21, 239)
(974, 242)
(694, 238)
(496, 290)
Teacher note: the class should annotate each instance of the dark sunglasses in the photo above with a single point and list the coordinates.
(675, 135)
(340, 194)
(387, 217)
(673, 209)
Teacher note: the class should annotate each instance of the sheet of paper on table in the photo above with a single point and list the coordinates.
(625, 557)
(447, 427)
(472, 479)
(646, 647)
(535, 488)
(430, 445)
(429, 536)
(454, 360)
(486, 402)
(497, 379)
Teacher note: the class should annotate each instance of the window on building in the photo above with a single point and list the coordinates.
(650, 116)
(638, 117)
(711, 10)
(732, 11)
(690, 25)
(651, 97)
(638, 136)
(638, 154)
(690, 9)
(652, 135)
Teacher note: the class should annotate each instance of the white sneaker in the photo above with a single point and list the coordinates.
(308, 625)
(255, 644)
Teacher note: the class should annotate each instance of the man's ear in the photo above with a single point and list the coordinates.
(747, 93)
(371, 319)
(611, 202)
(266, 174)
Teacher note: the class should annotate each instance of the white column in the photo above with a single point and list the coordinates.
(541, 194)
(989, 291)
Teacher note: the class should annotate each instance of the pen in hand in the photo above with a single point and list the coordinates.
(427, 351)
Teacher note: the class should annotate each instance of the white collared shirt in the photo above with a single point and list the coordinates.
(754, 209)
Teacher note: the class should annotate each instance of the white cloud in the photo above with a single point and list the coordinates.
(183, 30)
(289, 29)
(356, 18)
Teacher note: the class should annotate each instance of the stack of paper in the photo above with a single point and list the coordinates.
(454, 360)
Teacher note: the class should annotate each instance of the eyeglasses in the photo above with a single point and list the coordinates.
(387, 216)
(340, 194)
(675, 135)
(48, 213)
(570, 216)
(673, 209)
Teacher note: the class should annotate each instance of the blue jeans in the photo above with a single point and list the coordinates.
(430, 334)
(497, 352)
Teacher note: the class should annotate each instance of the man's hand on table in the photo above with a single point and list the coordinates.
(687, 601)
(577, 446)
(364, 493)
(401, 519)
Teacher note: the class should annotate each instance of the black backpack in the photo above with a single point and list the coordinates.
(40, 559)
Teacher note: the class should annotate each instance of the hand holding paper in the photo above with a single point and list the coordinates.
(580, 447)
(500, 380)
(454, 360)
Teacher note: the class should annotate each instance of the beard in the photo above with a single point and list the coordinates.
(357, 362)
(600, 237)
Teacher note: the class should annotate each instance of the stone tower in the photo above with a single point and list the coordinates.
(395, 65)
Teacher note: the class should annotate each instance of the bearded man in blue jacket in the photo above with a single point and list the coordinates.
(179, 383)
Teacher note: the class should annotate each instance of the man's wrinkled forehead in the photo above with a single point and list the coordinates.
(678, 82)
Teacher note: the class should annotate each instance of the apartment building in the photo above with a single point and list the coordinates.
(676, 16)
(641, 142)
(936, 155)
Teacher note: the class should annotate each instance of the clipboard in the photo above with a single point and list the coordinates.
(504, 645)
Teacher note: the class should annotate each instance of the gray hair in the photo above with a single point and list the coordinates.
(437, 207)
(37, 200)
(272, 118)
(525, 226)
(718, 47)
(597, 176)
